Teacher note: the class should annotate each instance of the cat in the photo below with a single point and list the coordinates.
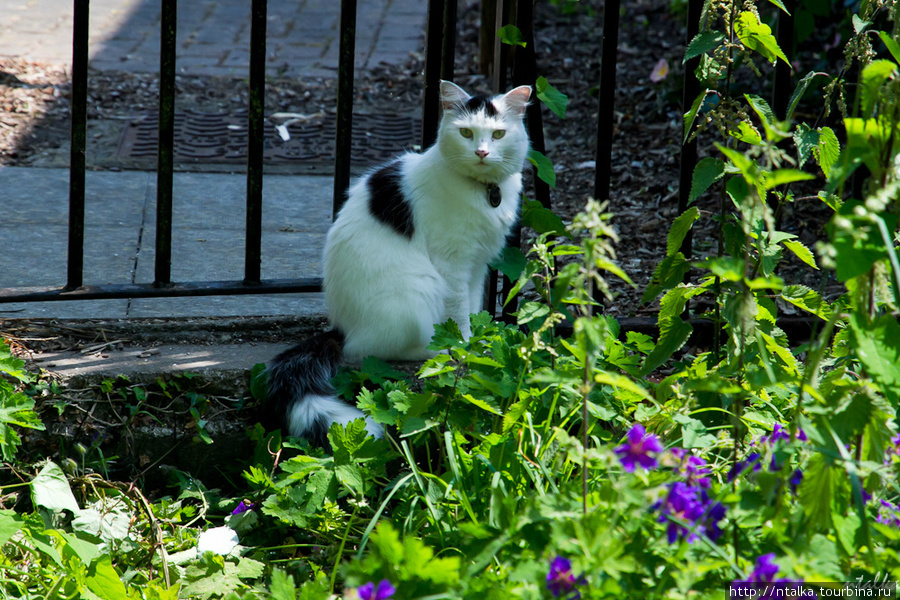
(409, 249)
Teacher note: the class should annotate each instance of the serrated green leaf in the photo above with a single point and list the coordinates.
(877, 345)
(827, 150)
(802, 252)
(799, 91)
(691, 115)
(282, 586)
(10, 524)
(806, 140)
(874, 75)
(817, 491)
(12, 366)
(702, 43)
(758, 36)
(673, 335)
(542, 220)
(680, 228)
(707, 171)
(746, 133)
(544, 167)
(511, 262)
(892, 45)
(785, 176)
(551, 97)
(806, 299)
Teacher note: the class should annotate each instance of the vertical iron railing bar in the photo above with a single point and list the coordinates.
(448, 40)
(524, 72)
(606, 103)
(344, 120)
(255, 141)
(434, 48)
(166, 150)
(501, 55)
(688, 158)
(77, 160)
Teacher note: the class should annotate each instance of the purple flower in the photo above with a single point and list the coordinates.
(561, 581)
(243, 507)
(796, 478)
(759, 583)
(891, 516)
(368, 591)
(638, 448)
(765, 570)
(690, 511)
(778, 433)
(740, 465)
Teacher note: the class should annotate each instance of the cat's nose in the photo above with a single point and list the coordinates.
(482, 153)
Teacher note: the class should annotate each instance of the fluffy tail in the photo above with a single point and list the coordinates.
(300, 391)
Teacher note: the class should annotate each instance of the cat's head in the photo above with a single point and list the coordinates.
(483, 138)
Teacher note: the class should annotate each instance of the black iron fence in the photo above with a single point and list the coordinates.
(511, 66)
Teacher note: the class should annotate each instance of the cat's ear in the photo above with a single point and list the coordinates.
(452, 96)
(517, 99)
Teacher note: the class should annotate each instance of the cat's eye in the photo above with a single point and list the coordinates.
(466, 133)
(499, 133)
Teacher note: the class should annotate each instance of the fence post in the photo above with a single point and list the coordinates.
(77, 162)
(434, 50)
(344, 121)
(606, 104)
(255, 142)
(689, 149)
(164, 168)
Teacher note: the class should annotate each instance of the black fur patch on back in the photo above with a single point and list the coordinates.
(476, 103)
(387, 202)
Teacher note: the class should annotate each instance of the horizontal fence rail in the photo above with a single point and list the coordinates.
(439, 63)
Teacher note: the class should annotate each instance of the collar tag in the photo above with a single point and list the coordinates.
(494, 194)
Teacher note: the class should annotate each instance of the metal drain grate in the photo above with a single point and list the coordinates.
(222, 138)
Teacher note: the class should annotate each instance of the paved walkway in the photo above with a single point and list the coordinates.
(214, 35)
(213, 39)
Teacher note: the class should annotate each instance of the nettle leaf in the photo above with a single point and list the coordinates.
(780, 5)
(773, 129)
(758, 37)
(511, 35)
(542, 220)
(746, 133)
(806, 140)
(892, 45)
(827, 150)
(859, 25)
(544, 167)
(691, 115)
(802, 252)
(785, 176)
(873, 78)
(551, 97)
(703, 43)
(706, 172)
(877, 344)
(511, 262)
(668, 273)
(806, 299)
(817, 491)
(799, 91)
(680, 228)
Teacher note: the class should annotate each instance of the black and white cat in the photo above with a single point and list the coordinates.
(410, 248)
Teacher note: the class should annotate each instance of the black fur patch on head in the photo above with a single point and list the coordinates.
(387, 202)
(476, 103)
